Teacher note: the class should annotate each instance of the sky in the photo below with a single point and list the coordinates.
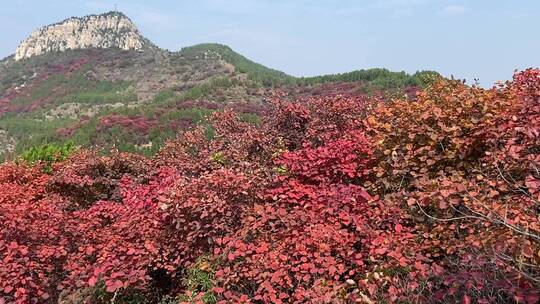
(475, 39)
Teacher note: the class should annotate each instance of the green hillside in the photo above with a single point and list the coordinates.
(255, 71)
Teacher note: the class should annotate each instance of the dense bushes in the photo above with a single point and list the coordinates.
(326, 200)
(462, 161)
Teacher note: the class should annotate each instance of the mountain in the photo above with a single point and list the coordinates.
(97, 81)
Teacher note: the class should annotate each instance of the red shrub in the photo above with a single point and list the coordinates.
(460, 159)
(137, 124)
(32, 237)
(87, 177)
(70, 130)
(120, 244)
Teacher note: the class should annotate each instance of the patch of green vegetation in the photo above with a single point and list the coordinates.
(83, 89)
(209, 87)
(30, 132)
(48, 154)
(281, 170)
(250, 118)
(164, 95)
(200, 280)
(218, 157)
(103, 92)
(375, 79)
(256, 72)
(396, 271)
(125, 296)
(47, 87)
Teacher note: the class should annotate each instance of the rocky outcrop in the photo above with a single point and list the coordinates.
(110, 30)
(7, 143)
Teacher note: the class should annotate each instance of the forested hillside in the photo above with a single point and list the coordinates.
(135, 100)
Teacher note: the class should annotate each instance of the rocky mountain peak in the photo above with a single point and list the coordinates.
(109, 30)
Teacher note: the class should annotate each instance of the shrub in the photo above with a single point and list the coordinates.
(461, 160)
(48, 154)
(32, 239)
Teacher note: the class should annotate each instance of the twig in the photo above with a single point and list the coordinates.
(446, 219)
(365, 298)
(500, 221)
(114, 297)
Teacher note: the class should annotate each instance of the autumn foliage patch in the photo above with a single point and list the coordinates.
(330, 199)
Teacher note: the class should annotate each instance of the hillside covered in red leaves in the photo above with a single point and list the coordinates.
(329, 199)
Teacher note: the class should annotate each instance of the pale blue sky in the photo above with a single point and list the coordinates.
(485, 39)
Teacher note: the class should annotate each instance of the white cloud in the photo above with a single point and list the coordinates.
(454, 9)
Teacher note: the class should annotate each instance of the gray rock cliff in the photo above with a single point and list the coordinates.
(109, 30)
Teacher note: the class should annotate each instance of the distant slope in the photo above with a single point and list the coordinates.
(135, 100)
(377, 78)
(132, 100)
(255, 71)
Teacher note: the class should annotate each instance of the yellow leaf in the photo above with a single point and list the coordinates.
(204, 266)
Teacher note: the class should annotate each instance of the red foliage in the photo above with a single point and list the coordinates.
(57, 236)
(136, 124)
(326, 201)
(70, 130)
(32, 239)
(110, 248)
(26, 90)
(461, 160)
(86, 177)
(314, 229)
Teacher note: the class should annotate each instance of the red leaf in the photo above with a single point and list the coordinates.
(90, 250)
(380, 250)
(92, 281)
(218, 290)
